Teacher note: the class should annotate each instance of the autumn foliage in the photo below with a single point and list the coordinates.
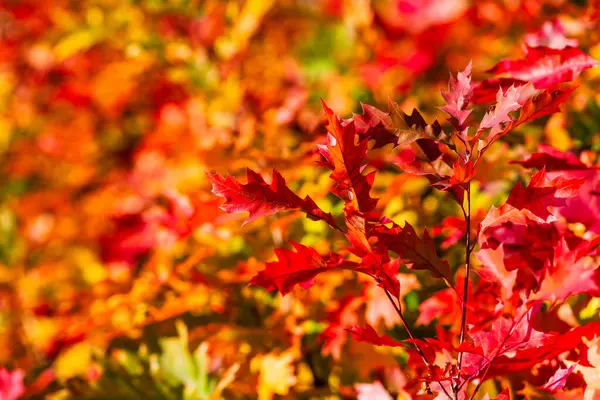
(296, 199)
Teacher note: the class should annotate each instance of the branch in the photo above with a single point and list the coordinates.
(410, 334)
(406, 326)
(468, 249)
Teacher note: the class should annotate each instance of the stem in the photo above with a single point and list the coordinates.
(463, 322)
(410, 334)
(406, 326)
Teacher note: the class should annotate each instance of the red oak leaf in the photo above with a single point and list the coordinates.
(368, 335)
(541, 194)
(340, 318)
(552, 159)
(458, 96)
(552, 35)
(415, 122)
(553, 345)
(417, 253)
(374, 124)
(559, 379)
(546, 67)
(346, 159)
(298, 267)
(383, 271)
(359, 226)
(396, 126)
(584, 208)
(486, 91)
(379, 308)
(544, 103)
(372, 391)
(493, 270)
(506, 213)
(505, 337)
(11, 384)
(443, 305)
(569, 273)
(462, 173)
(261, 199)
(528, 247)
(507, 101)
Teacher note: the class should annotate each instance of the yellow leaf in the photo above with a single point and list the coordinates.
(591, 309)
(73, 362)
(556, 133)
(5, 134)
(76, 42)
(92, 270)
(276, 373)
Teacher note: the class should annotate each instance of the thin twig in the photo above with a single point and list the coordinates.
(406, 326)
(410, 334)
(463, 321)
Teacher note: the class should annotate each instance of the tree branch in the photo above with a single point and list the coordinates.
(410, 334)
(468, 249)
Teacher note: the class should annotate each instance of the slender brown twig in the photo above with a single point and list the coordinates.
(398, 309)
(406, 326)
(468, 249)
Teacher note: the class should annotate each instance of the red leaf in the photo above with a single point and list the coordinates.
(552, 159)
(358, 225)
(504, 338)
(463, 172)
(559, 379)
(569, 273)
(297, 268)
(443, 305)
(368, 335)
(554, 345)
(340, 318)
(346, 159)
(11, 384)
(546, 67)
(383, 271)
(417, 127)
(545, 103)
(552, 35)
(415, 122)
(261, 199)
(486, 91)
(375, 125)
(493, 270)
(541, 194)
(417, 253)
(507, 101)
(458, 96)
(372, 391)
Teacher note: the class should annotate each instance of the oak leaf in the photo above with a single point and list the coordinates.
(546, 67)
(260, 199)
(346, 159)
(541, 194)
(368, 335)
(417, 253)
(298, 267)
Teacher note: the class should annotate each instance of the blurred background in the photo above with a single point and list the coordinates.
(119, 275)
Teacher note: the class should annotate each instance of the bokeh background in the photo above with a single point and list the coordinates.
(119, 275)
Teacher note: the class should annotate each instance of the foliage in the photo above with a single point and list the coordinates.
(429, 245)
